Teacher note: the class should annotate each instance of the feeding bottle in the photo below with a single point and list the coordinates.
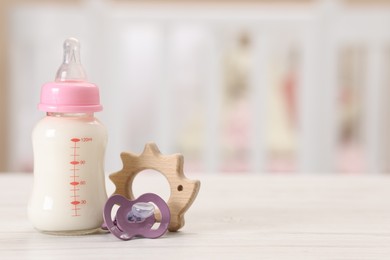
(69, 146)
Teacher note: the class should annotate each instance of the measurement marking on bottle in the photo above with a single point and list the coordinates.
(74, 202)
(75, 182)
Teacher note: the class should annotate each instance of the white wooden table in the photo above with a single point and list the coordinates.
(234, 217)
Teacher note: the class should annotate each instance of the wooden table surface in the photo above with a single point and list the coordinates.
(239, 216)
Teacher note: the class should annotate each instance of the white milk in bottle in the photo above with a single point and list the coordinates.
(69, 145)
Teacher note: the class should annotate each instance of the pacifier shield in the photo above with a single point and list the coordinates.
(125, 228)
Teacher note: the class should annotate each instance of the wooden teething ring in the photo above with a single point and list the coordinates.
(183, 190)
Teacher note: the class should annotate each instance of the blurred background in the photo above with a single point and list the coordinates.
(298, 86)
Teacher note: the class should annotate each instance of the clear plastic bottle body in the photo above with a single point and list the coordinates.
(69, 189)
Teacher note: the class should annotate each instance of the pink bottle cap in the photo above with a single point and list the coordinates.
(70, 93)
(70, 97)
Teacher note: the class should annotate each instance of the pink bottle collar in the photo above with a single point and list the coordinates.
(70, 97)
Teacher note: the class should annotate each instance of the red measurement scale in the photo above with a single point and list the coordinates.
(75, 178)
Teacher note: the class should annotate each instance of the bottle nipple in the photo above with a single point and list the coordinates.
(71, 68)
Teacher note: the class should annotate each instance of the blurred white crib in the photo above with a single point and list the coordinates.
(112, 34)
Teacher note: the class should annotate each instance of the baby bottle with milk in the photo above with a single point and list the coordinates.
(69, 145)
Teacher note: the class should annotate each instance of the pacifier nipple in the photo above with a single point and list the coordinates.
(140, 211)
(71, 68)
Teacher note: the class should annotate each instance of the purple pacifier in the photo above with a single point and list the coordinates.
(136, 217)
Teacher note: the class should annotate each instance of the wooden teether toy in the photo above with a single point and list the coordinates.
(183, 190)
